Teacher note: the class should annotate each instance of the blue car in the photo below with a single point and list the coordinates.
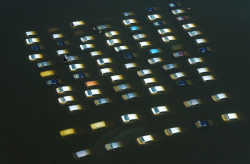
(150, 9)
(52, 82)
(129, 56)
(79, 76)
(35, 48)
(134, 28)
(154, 51)
(200, 124)
(127, 14)
(182, 83)
(60, 43)
(157, 23)
(203, 49)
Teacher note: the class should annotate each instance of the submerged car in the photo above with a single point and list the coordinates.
(145, 139)
(65, 99)
(159, 110)
(191, 102)
(92, 92)
(168, 38)
(113, 146)
(121, 87)
(177, 75)
(102, 101)
(156, 89)
(230, 116)
(129, 117)
(172, 131)
(163, 31)
(219, 96)
(74, 67)
(129, 96)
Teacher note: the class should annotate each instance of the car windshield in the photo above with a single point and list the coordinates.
(73, 66)
(156, 110)
(101, 61)
(123, 86)
(170, 66)
(153, 89)
(130, 95)
(89, 92)
(127, 21)
(60, 89)
(63, 99)
(126, 117)
(152, 16)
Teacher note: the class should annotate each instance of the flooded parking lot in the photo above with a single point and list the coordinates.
(209, 144)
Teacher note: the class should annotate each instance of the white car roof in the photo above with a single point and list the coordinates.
(116, 77)
(61, 52)
(175, 130)
(130, 65)
(144, 44)
(30, 33)
(202, 70)
(95, 53)
(74, 107)
(105, 70)
(199, 41)
(83, 153)
(207, 77)
(147, 138)
(149, 80)
(232, 115)
(77, 23)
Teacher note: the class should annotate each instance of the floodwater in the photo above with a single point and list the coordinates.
(32, 117)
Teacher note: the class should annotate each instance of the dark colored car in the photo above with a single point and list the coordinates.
(52, 82)
(182, 83)
(150, 9)
(35, 48)
(129, 56)
(157, 23)
(203, 49)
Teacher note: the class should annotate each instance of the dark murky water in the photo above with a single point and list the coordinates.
(32, 117)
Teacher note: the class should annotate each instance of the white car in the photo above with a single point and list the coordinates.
(30, 41)
(164, 31)
(120, 48)
(188, 26)
(207, 78)
(77, 23)
(121, 87)
(75, 107)
(113, 146)
(156, 89)
(195, 60)
(230, 116)
(145, 139)
(219, 96)
(194, 33)
(116, 78)
(178, 11)
(57, 36)
(154, 17)
(95, 53)
(129, 96)
(62, 52)
(102, 101)
(31, 33)
(112, 42)
(129, 21)
(139, 36)
(144, 72)
(111, 34)
(92, 92)
(129, 117)
(74, 67)
(82, 153)
(65, 99)
(149, 80)
(35, 57)
(159, 110)
(154, 60)
(86, 38)
(86, 46)
(103, 61)
(177, 75)
(63, 89)
(130, 65)
(200, 41)
(191, 102)
(169, 66)
(144, 44)
(202, 70)
(168, 38)
(105, 70)
(172, 131)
